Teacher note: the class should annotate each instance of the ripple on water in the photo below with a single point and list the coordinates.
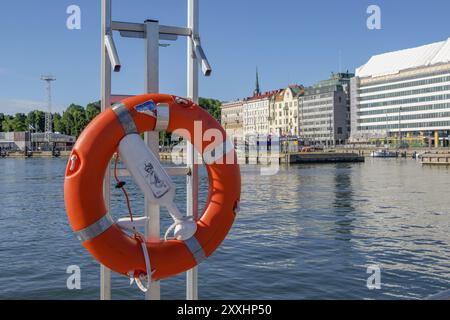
(309, 232)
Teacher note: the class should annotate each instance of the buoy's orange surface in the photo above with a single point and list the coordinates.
(83, 191)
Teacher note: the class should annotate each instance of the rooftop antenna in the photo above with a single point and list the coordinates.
(48, 115)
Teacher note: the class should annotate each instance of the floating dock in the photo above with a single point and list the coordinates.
(323, 157)
(284, 158)
(35, 154)
(303, 157)
(435, 158)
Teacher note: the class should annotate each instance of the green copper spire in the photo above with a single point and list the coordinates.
(257, 91)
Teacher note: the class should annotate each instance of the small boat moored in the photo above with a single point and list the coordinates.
(384, 154)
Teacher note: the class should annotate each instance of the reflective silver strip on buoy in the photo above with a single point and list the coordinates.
(95, 229)
(125, 118)
(196, 249)
(162, 117)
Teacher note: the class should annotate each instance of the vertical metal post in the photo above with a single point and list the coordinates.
(105, 273)
(152, 211)
(400, 127)
(192, 179)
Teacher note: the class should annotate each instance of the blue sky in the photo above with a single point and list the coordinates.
(291, 41)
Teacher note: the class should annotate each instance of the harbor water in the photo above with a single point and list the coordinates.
(308, 232)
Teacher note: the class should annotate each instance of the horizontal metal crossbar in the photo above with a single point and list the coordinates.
(171, 171)
(140, 27)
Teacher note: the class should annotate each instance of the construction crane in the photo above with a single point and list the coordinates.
(48, 115)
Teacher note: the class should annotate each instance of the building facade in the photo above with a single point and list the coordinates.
(27, 141)
(256, 113)
(324, 111)
(403, 97)
(283, 111)
(232, 119)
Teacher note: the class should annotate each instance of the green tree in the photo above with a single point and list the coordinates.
(57, 123)
(36, 119)
(92, 110)
(2, 118)
(16, 123)
(74, 120)
(213, 106)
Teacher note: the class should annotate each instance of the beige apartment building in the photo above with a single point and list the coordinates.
(283, 111)
(232, 119)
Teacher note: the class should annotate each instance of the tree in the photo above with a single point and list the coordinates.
(57, 123)
(2, 118)
(15, 124)
(73, 120)
(36, 119)
(92, 110)
(212, 106)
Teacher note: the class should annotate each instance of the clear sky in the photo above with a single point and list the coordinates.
(291, 41)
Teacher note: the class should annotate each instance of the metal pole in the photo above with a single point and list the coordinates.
(152, 211)
(399, 127)
(105, 273)
(192, 180)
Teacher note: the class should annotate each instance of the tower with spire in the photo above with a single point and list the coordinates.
(257, 91)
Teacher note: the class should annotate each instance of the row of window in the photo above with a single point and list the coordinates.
(406, 84)
(282, 121)
(250, 128)
(286, 104)
(315, 97)
(316, 110)
(317, 103)
(405, 101)
(406, 117)
(312, 132)
(433, 124)
(314, 123)
(407, 77)
(405, 93)
(318, 132)
(425, 107)
(317, 116)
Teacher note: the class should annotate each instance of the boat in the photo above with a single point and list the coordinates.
(384, 154)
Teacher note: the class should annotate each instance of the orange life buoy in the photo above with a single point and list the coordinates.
(83, 189)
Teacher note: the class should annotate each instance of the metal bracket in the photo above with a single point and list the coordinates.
(112, 53)
(168, 33)
(206, 68)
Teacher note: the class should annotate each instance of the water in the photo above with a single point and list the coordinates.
(309, 232)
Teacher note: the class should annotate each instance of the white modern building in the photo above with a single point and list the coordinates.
(324, 111)
(283, 112)
(232, 119)
(403, 97)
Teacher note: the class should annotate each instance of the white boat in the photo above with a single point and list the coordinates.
(384, 154)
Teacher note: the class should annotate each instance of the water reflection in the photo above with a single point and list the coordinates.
(343, 202)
